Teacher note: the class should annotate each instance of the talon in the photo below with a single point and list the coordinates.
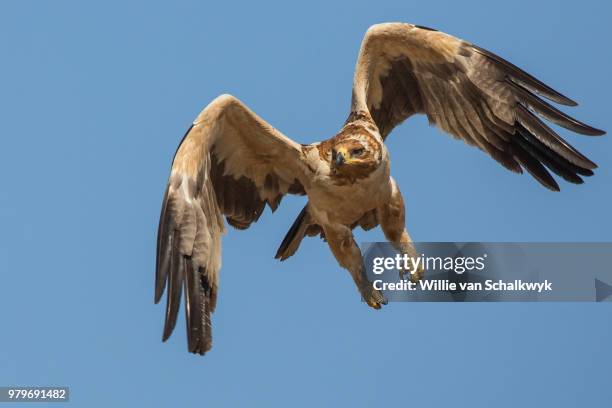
(414, 277)
(373, 297)
(418, 275)
(374, 305)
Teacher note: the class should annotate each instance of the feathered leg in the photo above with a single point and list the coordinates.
(342, 244)
(392, 218)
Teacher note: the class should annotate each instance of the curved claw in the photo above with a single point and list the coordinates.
(374, 298)
(414, 277)
(418, 275)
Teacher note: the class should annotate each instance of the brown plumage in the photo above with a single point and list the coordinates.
(231, 163)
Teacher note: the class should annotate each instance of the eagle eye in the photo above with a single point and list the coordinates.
(357, 152)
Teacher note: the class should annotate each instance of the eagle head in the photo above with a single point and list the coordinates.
(355, 155)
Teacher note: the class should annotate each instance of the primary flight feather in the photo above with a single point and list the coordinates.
(231, 163)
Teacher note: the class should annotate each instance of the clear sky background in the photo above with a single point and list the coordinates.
(95, 97)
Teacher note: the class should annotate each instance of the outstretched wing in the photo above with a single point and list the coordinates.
(230, 163)
(470, 93)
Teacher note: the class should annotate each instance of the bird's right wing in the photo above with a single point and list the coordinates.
(230, 163)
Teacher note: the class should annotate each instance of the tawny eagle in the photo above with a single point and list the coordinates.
(231, 163)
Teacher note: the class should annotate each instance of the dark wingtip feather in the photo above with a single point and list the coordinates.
(553, 159)
(568, 102)
(551, 113)
(534, 167)
(597, 132)
(555, 166)
(163, 250)
(197, 308)
(539, 133)
(526, 79)
(175, 287)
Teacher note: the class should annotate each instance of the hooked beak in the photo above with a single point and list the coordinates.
(339, 159)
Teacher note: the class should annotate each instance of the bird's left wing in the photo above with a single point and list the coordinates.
(470, 93)
(230, 163)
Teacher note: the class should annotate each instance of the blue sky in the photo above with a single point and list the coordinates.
(96, 96)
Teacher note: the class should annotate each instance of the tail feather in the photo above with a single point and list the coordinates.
(294, 236)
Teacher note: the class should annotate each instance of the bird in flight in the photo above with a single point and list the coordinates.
(231, 162)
